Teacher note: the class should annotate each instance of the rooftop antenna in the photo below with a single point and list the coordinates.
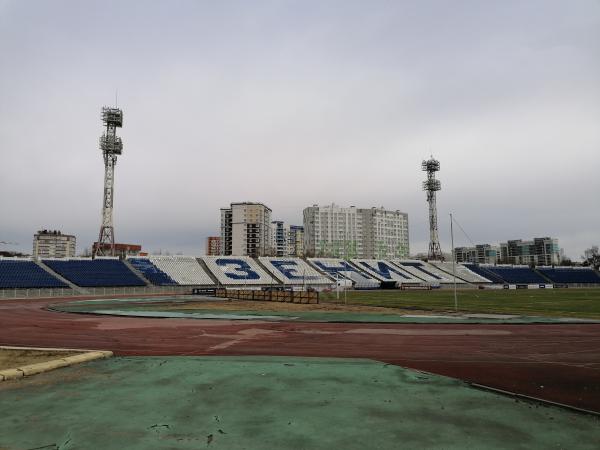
(431, 186)
(111, 146)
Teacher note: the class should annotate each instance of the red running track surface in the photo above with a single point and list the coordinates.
(556, 362)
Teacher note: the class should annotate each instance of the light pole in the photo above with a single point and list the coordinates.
(453, 262)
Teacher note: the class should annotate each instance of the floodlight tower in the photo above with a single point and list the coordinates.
(111, 146)
(431, 186)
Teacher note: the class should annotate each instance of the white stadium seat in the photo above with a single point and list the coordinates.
(386, 271)
(462, 272)
(337, 267)
(425, 271)
(294, 271)
(185, 270)
(238, 271)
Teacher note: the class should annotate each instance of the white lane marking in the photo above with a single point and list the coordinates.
(428, 332)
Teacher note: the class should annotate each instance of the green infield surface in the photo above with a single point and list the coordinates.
(272, 403)
(583, 303)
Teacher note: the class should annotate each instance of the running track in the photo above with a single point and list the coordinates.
(559, 363)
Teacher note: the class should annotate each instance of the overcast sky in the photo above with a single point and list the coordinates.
(293, 103)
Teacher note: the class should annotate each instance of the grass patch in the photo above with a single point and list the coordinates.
(584, 303)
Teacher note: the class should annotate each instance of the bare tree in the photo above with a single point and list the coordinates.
(591, 257)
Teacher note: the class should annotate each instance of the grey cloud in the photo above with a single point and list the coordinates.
(295, 103)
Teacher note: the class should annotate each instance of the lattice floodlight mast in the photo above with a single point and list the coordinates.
(431, 186)
(111, 146)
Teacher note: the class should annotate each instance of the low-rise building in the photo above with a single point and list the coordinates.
(121, 250)
(53, 244)
(213, 245)
(543, 251)
(480, 254)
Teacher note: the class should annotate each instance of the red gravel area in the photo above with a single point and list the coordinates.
(557, 362)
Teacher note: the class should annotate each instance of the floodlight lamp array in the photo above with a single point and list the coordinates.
(111, 144)
(432, 185)
(431, 165)
(112, 116)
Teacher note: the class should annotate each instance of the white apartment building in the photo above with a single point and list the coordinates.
(246, 229)
(334, 231)
(279, 238)
(53, 244)
(385, 233)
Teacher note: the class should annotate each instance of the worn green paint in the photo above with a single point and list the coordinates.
(272, 403)
(122, 307)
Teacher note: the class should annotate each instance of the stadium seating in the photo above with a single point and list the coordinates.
(238, 271)
(184, 270)
(152, 273)
(294, 271)
(99, 272)
(462, 272)
(425, 271)
(574, 275)
(516, 274)
(385, 271)
(482, 271)
(336, 267)
(25, 273)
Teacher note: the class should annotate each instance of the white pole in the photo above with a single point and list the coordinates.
(337, 285)
(453, 262)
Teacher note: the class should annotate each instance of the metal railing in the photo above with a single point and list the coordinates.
(94, 291)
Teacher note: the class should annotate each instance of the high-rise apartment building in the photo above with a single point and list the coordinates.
(385, 233)
(53, 244)
(246, 229)
(279, 238)
(287, 240)
(333, 231)
(296, 240)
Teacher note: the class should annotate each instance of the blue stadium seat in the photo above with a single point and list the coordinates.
(20, 273)
(95, 272)
(570, 275)
(482, 271)
(152, 273)
(517, 275)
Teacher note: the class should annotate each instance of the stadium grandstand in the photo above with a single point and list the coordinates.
(386, 271)
(294, 271)
(570, 275)
(483, 272)
(425, 271)
(152, 273)
(462, 272)
(238, 270)
(183, 270)
(17, 273)
(99, 272)
(338, 268)
(517, 274)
